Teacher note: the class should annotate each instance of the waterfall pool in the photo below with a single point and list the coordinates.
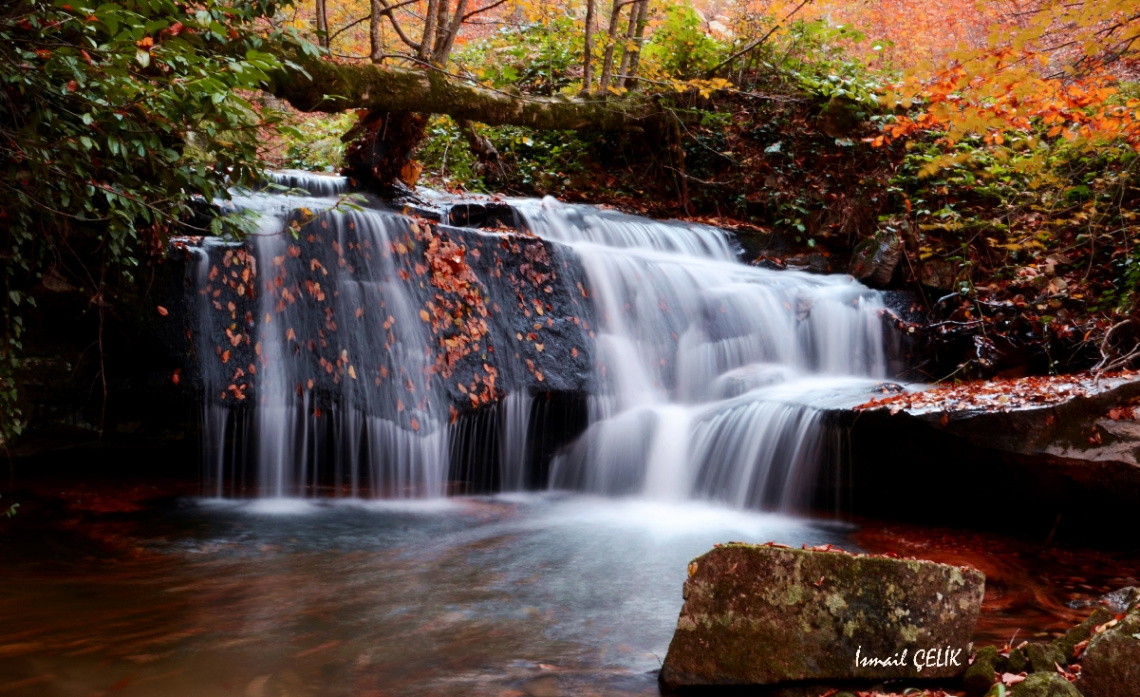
(126, 590)
(516, 594)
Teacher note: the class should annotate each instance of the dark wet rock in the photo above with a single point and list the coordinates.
(1039, 685)
(1110, 666)
(980, 675)
(1122, 600)
(764, 615)
(1067, 643)
(1044, 658)
(939, 274)
(874, 261)
(813, 263)
(1060, 470)
(484, 215)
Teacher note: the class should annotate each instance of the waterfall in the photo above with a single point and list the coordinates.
(352, 350)
(712, 374)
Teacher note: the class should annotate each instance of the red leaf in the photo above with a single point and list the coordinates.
(163, 311)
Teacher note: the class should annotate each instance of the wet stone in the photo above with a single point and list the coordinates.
(765, 615)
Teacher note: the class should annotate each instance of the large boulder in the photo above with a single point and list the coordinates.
(1110, 666)
(764, 614)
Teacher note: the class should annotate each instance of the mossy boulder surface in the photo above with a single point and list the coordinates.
(980, 675)
(1044, 685)
(1110, 666)
(763, 615)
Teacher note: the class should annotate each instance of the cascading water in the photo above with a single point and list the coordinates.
(712, 373)
(351, 336)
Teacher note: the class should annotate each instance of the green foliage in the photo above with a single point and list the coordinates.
(813, 56)
(1053, 223)
(535, 58)
(112, 116)
(314, 142)
(680, 45)
(531, 162)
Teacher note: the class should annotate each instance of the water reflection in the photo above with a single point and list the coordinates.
(520, 594)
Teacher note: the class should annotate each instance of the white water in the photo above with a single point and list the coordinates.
(714, 372)
(711, 375)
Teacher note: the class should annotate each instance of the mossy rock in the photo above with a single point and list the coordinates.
(1015, 663)
(761, 615)
(1068, 643)
(980, 675)
(1044, 658)
(1043, 685)
(1110, 666)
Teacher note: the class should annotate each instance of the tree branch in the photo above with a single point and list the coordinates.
(395, 25)
(492, 6)
(752, 46)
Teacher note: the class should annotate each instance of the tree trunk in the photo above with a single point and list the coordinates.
(608, 59)
(429, 30)
(588, 52)
(375, 41)
(336, 87)
(447, 38)
(639, 41)
(380, 148)
(322, 24)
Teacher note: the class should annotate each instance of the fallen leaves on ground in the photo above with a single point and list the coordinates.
(996, 395)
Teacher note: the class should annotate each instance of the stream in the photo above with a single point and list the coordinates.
(129, 589)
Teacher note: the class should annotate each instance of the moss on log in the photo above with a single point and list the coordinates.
(334, 87)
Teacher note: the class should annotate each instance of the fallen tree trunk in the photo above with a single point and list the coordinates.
(335, 87)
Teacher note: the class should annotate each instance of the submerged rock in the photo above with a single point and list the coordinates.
(1110, 666)
(759, 614)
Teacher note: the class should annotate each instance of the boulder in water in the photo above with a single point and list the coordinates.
(763, 615)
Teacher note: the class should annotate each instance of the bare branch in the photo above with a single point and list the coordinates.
(389, 11)
(492, 6)
(758, 42)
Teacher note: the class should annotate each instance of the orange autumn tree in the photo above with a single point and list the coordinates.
(1056, 77)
